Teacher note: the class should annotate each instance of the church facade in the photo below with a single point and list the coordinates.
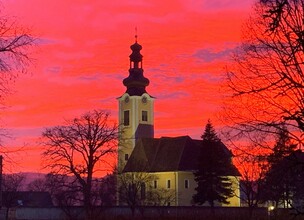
(170, 160)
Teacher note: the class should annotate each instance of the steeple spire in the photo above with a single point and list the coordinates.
(135, 34)
(136, 82)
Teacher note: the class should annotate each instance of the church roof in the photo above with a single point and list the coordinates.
(170, 154)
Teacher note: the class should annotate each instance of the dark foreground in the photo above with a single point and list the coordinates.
(149, 213)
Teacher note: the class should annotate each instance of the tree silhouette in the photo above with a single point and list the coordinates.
(209, 134)
(136, 191)
(279, 177)
(11, 185)
(266, 79)
(15, 44)
(212, 184)
(284, 181)
(253, 169)
(81, 148)
(282, 148)
(108, 189)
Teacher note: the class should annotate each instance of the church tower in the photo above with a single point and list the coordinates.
(136, 115)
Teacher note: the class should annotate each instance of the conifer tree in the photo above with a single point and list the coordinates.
(212, 184)
(281, 178)
(283, 146)
(209, 133)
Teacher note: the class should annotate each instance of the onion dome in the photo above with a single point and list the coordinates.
(136, 82)
(136, 56)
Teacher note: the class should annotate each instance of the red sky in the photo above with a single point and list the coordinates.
(82, 58)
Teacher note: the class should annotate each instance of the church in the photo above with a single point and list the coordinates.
(172, 160)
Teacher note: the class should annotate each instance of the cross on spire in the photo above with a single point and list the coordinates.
(135, 34)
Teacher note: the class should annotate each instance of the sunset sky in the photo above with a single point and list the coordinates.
(82, 58)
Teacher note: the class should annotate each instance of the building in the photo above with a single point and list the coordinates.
(171, 160)
(135, 108)
(27, 199)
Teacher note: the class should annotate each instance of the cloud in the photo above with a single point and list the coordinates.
(216, 5)
(172, 95)
(94, 77)
(208, 55)
(53, 69)
(164, 78)
(73, 55)
(44, 41)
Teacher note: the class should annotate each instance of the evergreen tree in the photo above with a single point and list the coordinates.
(212, 184)
(209, 133)
(280, 179)
(283, 146)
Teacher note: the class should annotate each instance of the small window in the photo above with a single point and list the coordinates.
(20, 202)
(144, 116)
(155, 184)
(126, 157)
(186, 184)
(168, 184)
(126, 118)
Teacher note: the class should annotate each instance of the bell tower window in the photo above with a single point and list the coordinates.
(144, 116)
(126, 118)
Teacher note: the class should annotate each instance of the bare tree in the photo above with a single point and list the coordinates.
(64, 191)
(81, 148)
(256, 162)
(37, 185)
(253, 170)
(136, 191)
(108, 190)
(16, 44)
(267, 77)
(59, 186)
(15, 47)
(11, 185)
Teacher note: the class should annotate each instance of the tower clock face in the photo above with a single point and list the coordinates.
(144, 99)
(127, 99)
